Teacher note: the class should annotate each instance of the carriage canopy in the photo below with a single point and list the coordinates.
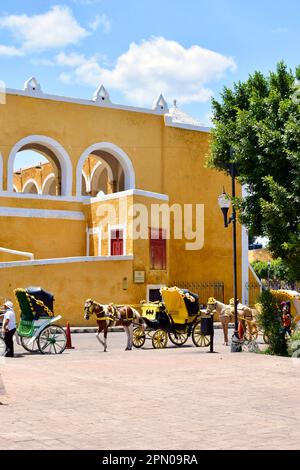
(289, 295)
(181, 304)
(29, 306)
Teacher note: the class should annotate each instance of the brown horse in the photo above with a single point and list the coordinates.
(110, 315)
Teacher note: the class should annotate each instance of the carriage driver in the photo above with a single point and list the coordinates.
(9, 327)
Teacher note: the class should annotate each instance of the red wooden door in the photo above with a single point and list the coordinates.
(116, 243)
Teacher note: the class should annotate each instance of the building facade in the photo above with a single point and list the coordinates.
(93, 221)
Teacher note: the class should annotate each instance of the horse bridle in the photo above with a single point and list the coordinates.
(92, 310)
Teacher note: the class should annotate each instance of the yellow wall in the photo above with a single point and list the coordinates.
(165, 159)
(73, 283)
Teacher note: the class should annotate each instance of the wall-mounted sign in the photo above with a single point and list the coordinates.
(139, 277)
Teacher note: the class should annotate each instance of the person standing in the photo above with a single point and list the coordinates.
(9, 328)
(286, 318)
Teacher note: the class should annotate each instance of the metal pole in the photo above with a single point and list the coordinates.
(235, 345)
(212, 334)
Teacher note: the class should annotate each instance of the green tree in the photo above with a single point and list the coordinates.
(277, 271)
(260, 120)
(270, 322)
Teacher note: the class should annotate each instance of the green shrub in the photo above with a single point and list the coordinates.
(269, 320)
(294, 345)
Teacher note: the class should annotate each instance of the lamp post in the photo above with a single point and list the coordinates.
(224, 203)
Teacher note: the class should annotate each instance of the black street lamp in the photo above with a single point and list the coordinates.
(225, 203)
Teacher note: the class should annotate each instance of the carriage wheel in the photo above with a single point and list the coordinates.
(160, 339)
(254, 334)
(29, 345)
(200, 340)
(179, 338)
(139, 338)
(2, 347)
(52, 340)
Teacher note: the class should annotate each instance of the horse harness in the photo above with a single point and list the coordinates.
(115, 315)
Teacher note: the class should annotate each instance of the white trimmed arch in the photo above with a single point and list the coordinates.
(47, 183)
(120, 156)
(56, 148)
(31, 182)
(104, 165)
(87, 181)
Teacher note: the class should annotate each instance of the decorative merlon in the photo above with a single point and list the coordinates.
(32, 86)
(101, 96)
(160, 105)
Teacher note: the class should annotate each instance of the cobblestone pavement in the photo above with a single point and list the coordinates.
(147, 399)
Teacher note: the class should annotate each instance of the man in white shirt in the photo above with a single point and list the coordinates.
(9, 328)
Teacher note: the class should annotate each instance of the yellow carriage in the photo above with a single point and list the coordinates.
(176, 318)
(285, 295)
(249, 325)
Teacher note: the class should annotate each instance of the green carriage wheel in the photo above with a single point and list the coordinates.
(179, 338)
(2, 347)
(160, 339)
(52, 340)
(138, 338)
(200, 340)
(29, 345)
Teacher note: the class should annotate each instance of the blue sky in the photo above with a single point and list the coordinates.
(187, 49)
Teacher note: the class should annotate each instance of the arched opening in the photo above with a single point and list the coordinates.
(85, 185)
(50, 185)
(30, 187)
(37, 166)
(100, 182)
(108, 169)
(42, 160)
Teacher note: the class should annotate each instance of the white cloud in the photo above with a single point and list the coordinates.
(154, 66)
(54, 29)
(9, 51)
(101, 20)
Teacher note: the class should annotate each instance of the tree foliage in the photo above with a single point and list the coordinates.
(276, 271)
(270, 322)
(260, 120)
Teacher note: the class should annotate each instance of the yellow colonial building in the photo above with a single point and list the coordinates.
(93, 221)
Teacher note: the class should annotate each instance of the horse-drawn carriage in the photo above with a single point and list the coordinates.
(37, 330)
(176, 318)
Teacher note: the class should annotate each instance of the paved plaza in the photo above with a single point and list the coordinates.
(149, 399)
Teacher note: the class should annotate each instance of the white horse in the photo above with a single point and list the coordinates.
(226, 313)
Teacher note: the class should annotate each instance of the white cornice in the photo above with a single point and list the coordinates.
(40, 213)
(189, 127)
(80, 259)
(42, 197)
(65, 99)
(129, 192)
